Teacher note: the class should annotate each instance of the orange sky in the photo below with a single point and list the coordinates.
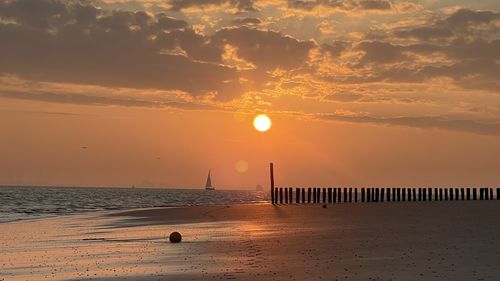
(361, 93)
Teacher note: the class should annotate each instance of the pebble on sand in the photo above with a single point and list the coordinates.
(175, 237)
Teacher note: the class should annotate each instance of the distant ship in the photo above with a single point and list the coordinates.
(208, 185)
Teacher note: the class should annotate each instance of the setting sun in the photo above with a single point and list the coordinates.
(262, 122)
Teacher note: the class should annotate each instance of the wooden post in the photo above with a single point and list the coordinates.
(345, 195)
(297, 195)
(314, 195)
(452, 191)
(329, 195)
(498, 193)
(491, 194)
(290, 193)
(474, 194)
(393, 194)
(377, 194)
(481, 196)
(462, 193)
(363, 194)
(271, 173)
(440, 194)
(424, 194)
(398, 194)
(276, 195)
(446, 194)
(414, 194)
(368, 195)
(429, 193)
(286, 195)
(382, 190)
(319, 195)
(388, 195)
(308, 195)
(339, 199)
(350, 194)
(467, 190)
(324, 195)
(281, 195)
(334, 195)
(356, 195)
(303, 190)
(436, 195)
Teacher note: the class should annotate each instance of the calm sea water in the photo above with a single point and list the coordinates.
(18, 203)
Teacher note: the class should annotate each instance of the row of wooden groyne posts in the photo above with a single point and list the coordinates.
(288, 195)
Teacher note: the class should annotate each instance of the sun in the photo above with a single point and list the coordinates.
(262, 122)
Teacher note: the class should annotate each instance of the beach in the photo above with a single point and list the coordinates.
(454, 240)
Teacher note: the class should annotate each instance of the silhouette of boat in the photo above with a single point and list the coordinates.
(208, 185)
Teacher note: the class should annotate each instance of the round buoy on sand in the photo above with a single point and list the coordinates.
(175, 237)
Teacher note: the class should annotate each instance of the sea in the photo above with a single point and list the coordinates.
(20, 203)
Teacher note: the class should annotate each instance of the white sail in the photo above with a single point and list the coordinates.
(208, 185)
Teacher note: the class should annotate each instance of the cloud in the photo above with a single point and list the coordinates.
(242, 5)
(109, 48)
(341, 5)
(375, 5)
(82, 99)
(423, 122)
(265, 48)
(246, 21)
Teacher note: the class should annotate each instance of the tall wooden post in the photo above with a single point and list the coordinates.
(303, 195)
(297, 195)
(356, 194)
(271, 173)
(388, 195)
(363, 194)
(382, 190)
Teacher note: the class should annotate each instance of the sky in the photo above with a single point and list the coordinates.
(154, 93)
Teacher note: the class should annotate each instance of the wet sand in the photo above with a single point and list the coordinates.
(380, 241)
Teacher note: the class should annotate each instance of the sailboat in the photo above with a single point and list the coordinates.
(208, 185)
